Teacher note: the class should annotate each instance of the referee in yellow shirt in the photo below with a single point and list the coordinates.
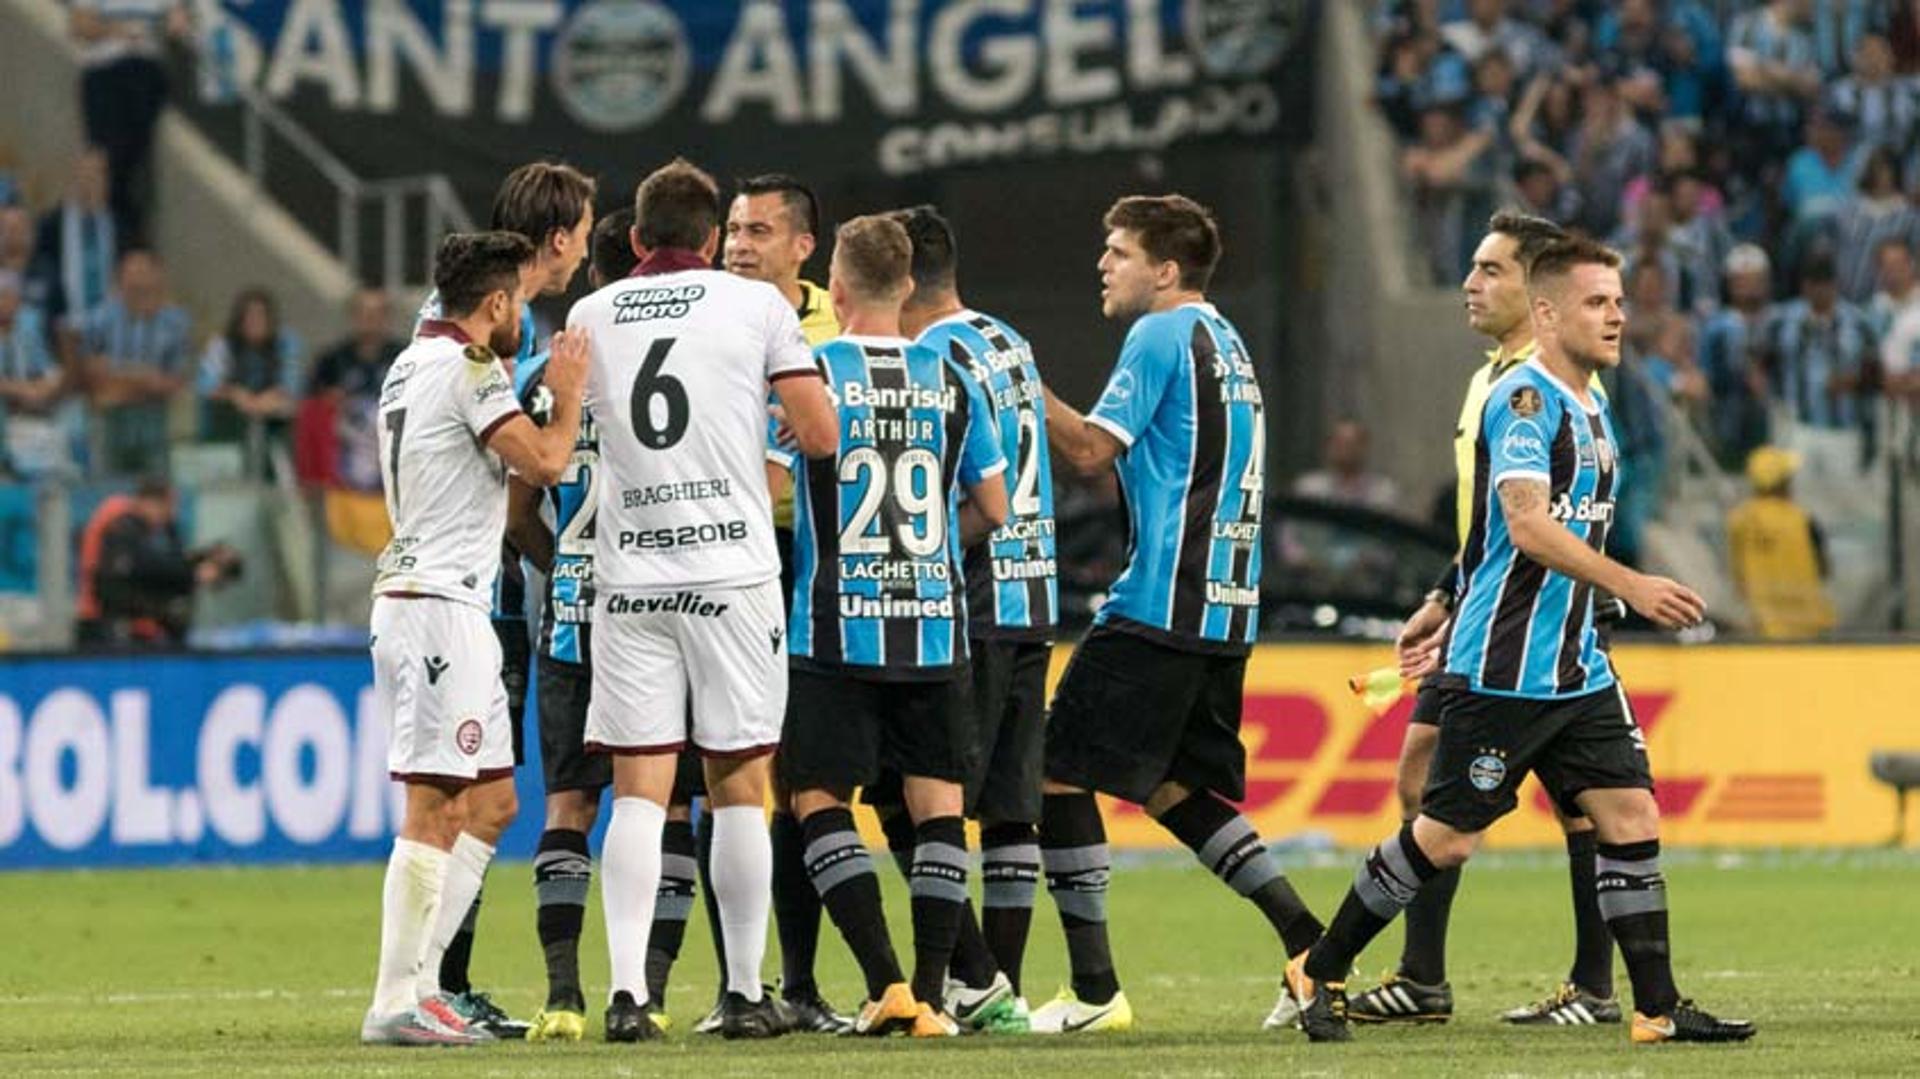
(1497, 307)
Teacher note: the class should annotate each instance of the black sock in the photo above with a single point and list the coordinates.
(453, 965)
(1385, 883)
(972, 964)
(561, 871)
(796, 907)
(1633, 899)
(1593, 944)
(1423, 959)
(1227, 845)
(1073, 847)
(703, 861)
(841, 872)
(1010, 870)
(938, 885)
(897, 826)
(672, 906)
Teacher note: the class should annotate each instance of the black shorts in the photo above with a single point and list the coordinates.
(1131, 714)
(563, 690)
(1426, 704)
(689, 777)
(516, 663)
(1010, 717)
(1488, 744)
(845, 731)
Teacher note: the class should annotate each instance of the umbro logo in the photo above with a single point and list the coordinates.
(774, 635)
(435, 667)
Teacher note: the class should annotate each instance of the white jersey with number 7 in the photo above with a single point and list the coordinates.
(678, 383)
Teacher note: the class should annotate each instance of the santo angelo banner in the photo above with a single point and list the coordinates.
(472, 88)
(1751, 746)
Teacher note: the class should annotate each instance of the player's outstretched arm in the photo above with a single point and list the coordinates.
(1666, 603)
(525, 530)
(540, 454)
(985, 509)
(1085, 448)
(809, 414)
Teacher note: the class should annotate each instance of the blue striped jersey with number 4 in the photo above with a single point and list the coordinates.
(1013, 589)
(1520, 629)
(876, 544)
(567, 607)
(1184, 402)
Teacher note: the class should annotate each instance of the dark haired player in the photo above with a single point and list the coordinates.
(450, 429)
(1149, 708)
(551, 206)
(574, 779)
(1527, 685)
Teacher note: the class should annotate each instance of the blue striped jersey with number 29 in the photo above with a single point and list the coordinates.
(1520, 629)
(1013, 589)
(876, 545)
(1184, 401)
(567, 606)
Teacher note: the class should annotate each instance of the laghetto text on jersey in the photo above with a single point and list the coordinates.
(1013, 589)
(567, 607)
(877, 577)
(510, 584)
(1184, 401)
(1521, 630)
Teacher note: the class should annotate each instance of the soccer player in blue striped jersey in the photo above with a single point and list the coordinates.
(877, 633)
(1149, 708)
(552, 206)
(1012, 600)
(1528, 686)
(573, 778)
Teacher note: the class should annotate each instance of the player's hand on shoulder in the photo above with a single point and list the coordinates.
(1666, 602)
(566, 372)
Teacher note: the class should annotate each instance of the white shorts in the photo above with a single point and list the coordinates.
(436, 675)
(726, 645)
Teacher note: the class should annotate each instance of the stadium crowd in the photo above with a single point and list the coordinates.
(1758, 164)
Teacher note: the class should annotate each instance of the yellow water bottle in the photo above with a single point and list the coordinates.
(1378, 689)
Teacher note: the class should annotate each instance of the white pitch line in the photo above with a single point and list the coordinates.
(178, 996)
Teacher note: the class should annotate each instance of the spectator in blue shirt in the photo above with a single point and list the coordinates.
(1821, 174)
(32, 443)
(1823, 358)
(250, 380)
(78, 243)
(135, 359)
(1732, 356)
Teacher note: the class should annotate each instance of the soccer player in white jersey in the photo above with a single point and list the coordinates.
(686, 575)
(450, 428)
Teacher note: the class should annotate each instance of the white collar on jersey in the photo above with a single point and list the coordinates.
(870, 339)
(1591, 406)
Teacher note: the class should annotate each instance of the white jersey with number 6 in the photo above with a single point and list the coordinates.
(446, 491)
(678, 380)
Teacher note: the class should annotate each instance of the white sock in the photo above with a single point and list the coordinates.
(742, 880)
(408, 902)
(466, 871)
(629, 877)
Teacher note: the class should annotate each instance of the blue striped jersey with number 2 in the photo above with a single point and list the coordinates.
(1185, 403)
(1520, 629)
(1013, 589)
(876, 548)
(567, 605)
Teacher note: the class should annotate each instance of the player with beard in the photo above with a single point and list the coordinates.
(551, 206)
(450, 429)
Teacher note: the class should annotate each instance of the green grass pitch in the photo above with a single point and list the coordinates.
(266, 972)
